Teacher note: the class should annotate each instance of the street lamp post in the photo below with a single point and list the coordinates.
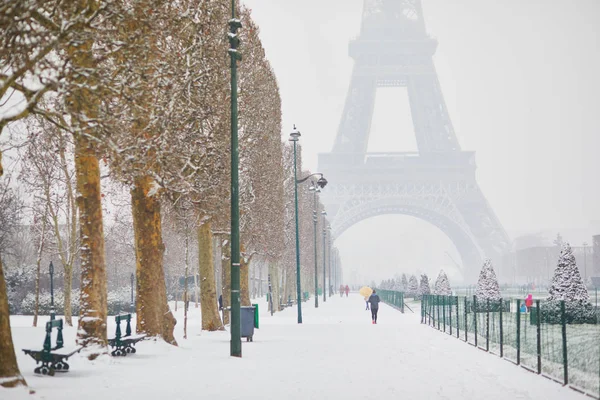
(321, 182)
(313, 188)
(51, 272)
(236, 339)
(331, 281)
(294, 137)
(585, 262)
(132, 303)
(323, 213)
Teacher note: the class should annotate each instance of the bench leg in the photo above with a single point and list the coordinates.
(45, 369)
(61, 366)
(129, 349)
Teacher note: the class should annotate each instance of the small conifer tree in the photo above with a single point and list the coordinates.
(424, 288)
(442, 285)
(413, 286)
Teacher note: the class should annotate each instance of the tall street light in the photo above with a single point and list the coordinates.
(313, 188)
(236, 333)
(324, 214)
(294, 137)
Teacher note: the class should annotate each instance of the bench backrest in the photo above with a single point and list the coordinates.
(58, 324)
(118, 319)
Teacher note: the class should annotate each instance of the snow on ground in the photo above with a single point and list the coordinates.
(336, 353)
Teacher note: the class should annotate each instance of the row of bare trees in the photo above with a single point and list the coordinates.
(135, 95)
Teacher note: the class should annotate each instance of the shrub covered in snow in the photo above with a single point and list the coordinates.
(487, 285)
(568, 285)
(413, 286)
(488, 289)
(442, 285)
(119, 301)
(404, 283)
(424, 288)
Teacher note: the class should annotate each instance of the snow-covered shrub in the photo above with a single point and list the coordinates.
(404, 283)
(20, 280)
(442, 285)
(488, 289)
(119, 301)
(424, 288)
(413, 286)
(487, 285)
(568, 285)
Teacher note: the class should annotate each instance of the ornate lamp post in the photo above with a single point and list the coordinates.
(313, 188)
(51, 272)
(236, 334)
(324, 214)
(321, 182)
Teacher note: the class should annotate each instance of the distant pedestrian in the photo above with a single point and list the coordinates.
(220, 302)
(367, 301)
(341, 290)
(347, 290)
(374, 300)
(529, 302)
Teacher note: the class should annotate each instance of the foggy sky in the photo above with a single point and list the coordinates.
(520, 79)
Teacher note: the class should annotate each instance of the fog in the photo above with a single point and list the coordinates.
(520, 82)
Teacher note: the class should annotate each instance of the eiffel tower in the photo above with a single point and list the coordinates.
(437, 183)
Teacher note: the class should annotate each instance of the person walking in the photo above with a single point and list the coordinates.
(341, 290)
(529, 302)
(367, 301)
(347, 290)
(374, 300)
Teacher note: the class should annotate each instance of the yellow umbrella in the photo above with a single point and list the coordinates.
(365, 291)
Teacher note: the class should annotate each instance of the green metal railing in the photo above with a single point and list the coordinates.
(550, 339)
(392, 298)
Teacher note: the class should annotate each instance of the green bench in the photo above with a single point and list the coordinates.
(52, 358)
(124, 344)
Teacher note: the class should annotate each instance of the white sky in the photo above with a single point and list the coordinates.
(520, 79)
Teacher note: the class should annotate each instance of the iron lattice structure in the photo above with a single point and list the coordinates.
(438, 183)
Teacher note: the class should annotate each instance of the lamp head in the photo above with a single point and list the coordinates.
(295, 135)
(322, 182)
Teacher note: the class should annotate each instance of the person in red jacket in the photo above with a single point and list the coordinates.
(347, 290)
(528, 302)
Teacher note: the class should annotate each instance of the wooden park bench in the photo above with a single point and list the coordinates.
(52, 358)
(124, 344)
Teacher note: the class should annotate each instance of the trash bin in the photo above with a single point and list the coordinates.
(255, 315)
(247, 322)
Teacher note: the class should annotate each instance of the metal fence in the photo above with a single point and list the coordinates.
(545, 338)
(392, 298)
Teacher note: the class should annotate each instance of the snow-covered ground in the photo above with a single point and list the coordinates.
(335, 354)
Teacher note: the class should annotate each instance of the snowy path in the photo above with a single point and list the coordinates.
(336, 354)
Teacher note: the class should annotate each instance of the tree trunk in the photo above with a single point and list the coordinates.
(10, 376)
(67, 294)
(82, 102)
(39, 265)
(92, 321)
(274, 285)
(185, 286)
(226, 271)
(69, 258)
(244, 279)
(153, 314)
(211, 321)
